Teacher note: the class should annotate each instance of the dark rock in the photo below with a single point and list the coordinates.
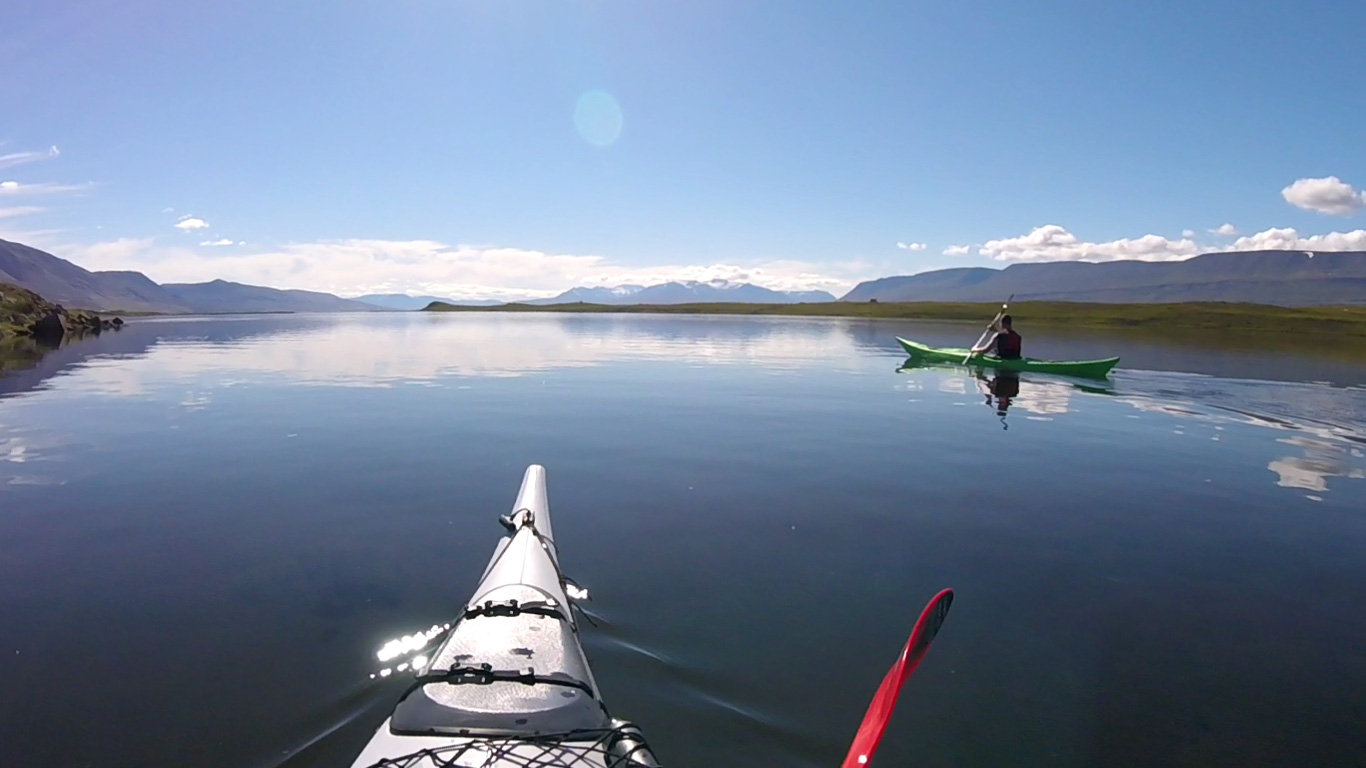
(48, 328)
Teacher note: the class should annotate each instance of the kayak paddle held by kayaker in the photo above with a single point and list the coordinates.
(1004, 343)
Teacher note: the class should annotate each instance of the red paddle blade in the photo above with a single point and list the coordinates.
(880, 711)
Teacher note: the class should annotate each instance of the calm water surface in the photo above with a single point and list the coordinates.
(208, 526)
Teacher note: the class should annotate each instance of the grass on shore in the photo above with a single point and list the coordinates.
(1239, 319)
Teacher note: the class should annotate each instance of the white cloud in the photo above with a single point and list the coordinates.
(19, 158)
(1288, 239)
(1188, 233)
(188, 223)
(117, 251)
(958, 250)
(224, 241)
(783, 275)
(357, 266)
(1224, 230)
(1054, 243)
(45, 239)
(18, 210)
(911, 246)
(168, 209)
(1329, 195)
(16, 188)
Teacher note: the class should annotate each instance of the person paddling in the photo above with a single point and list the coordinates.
(1004, 344)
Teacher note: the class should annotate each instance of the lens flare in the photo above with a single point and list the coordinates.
(597, 116)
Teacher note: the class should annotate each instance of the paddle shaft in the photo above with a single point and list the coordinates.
(990, 325)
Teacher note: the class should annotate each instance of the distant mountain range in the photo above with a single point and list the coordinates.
(223, 296)
(403, 301)
(1286, 278)
(685, 292)
(62, 282)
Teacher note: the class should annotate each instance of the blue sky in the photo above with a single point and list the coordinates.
(432, 146)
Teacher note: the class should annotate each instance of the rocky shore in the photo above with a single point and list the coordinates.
(24, 313)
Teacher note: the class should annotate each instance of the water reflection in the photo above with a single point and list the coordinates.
(21, 353)
(29, 456)
(1327, 449)
(194, 364)
(1000, 389)
(1041, 396)
(1321, 460)
(389, 350)
(137, 338)
(411, 645)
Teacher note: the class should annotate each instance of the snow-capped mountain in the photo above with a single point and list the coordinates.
(615, 295)
(686, 292)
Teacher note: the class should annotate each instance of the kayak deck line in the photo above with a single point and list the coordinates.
(513, 608)
(485, 674)
(1094, 369)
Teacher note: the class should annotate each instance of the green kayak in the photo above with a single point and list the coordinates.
(1091, 369)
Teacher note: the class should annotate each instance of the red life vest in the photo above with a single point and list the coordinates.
(1008, 345)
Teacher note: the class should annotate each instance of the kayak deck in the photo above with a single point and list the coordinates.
(619, 746)
(1097, 369)
(510, 685)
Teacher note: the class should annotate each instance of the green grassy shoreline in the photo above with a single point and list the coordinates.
(1234, 319)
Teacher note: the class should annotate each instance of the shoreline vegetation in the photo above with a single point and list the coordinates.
(1341, 322)
(1321, 332)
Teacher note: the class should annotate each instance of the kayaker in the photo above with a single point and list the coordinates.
(1005, 344)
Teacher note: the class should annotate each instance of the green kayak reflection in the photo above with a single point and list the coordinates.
(1002, 390)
